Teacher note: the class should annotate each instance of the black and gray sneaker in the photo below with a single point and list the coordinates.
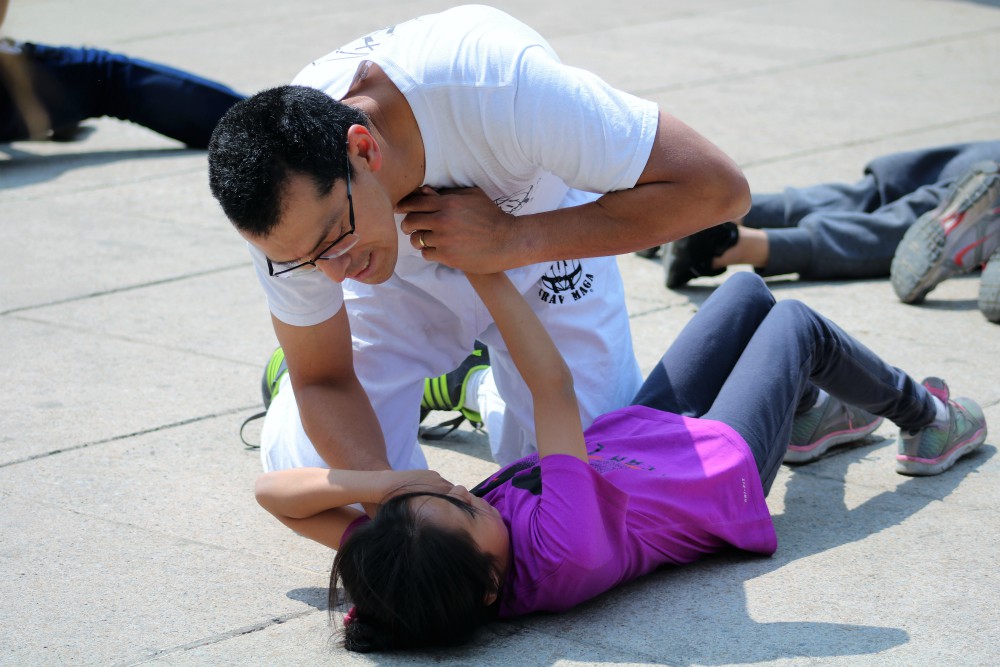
(649, 253)
(691, 257)
(447, 392)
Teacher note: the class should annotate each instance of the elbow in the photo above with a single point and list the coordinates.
(730, 193)
(263, 491)
(741, 200)
(566, 387)
(560, 384)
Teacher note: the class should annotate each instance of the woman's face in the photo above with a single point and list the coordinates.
(483, 523)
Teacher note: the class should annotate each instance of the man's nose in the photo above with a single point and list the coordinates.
(335, 269)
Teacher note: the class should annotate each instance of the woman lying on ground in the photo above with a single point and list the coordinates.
(643, 487)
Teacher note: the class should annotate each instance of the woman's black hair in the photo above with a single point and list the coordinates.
(413, 584)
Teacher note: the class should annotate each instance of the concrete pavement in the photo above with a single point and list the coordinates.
(133, 336)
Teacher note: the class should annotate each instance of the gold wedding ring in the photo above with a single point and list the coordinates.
(421, 238)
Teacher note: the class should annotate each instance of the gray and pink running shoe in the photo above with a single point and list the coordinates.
(934, 449)
(989, 289)
(955, 238)
(825, 426)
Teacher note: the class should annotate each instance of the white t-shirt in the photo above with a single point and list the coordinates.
(496, 110)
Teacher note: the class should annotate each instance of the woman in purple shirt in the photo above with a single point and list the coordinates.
(681, 473)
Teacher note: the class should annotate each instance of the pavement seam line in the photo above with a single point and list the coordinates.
(215, 639)
(116, 438)
(806, 64)
(127, 288)
(54, 324)
(866, 140)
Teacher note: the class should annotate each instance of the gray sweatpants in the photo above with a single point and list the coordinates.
(835, 231)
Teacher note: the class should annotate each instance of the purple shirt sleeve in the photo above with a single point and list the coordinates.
(568, 542)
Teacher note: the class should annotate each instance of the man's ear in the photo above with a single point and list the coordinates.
(361, 143)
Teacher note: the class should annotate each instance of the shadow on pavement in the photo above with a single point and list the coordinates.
(26, 168)
(699, 614)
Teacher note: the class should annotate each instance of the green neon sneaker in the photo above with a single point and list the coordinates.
(828, 425)
(269, 385)
(447, 392)
(273, 372)
(934, 449)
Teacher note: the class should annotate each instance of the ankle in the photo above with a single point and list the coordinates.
(942, 414)
(751, 248)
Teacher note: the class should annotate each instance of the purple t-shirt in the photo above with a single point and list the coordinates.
(659, 489)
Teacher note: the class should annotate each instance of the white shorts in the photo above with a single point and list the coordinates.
(404, 331)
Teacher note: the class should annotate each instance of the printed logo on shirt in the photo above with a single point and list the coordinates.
(362, 46)
(607, 462)
(530, 481)
(565, 281)
(505, 475)
(513, 203)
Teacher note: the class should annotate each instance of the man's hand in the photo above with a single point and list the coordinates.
(461, 228)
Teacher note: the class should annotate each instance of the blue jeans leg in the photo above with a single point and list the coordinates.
(73, 84)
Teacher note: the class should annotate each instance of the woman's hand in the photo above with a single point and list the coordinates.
(407, 481)
(315, 502)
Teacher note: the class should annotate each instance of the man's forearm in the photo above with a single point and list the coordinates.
(624, 221)
(342, 426)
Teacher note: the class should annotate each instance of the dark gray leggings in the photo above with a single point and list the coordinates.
(752, 363)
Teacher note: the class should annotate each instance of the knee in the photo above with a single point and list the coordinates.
(752, 290)
(791, 308)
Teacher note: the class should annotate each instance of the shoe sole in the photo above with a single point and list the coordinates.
(921, 260)
(676, 271)
(989, 289)
(917, 467)
(648, 253)
(807, 454)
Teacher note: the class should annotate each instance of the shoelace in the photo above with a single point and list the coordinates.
(246, 444)
(437, 432)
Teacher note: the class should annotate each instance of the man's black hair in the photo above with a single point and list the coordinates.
(264, 139)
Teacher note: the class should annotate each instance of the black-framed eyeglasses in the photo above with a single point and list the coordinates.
(345, 241)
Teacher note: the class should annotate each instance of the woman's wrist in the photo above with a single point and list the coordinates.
(379, 484)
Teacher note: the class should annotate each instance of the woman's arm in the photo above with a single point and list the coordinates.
(557, 414)
(315, 502)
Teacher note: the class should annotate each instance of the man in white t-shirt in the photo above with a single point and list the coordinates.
(453, 142)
